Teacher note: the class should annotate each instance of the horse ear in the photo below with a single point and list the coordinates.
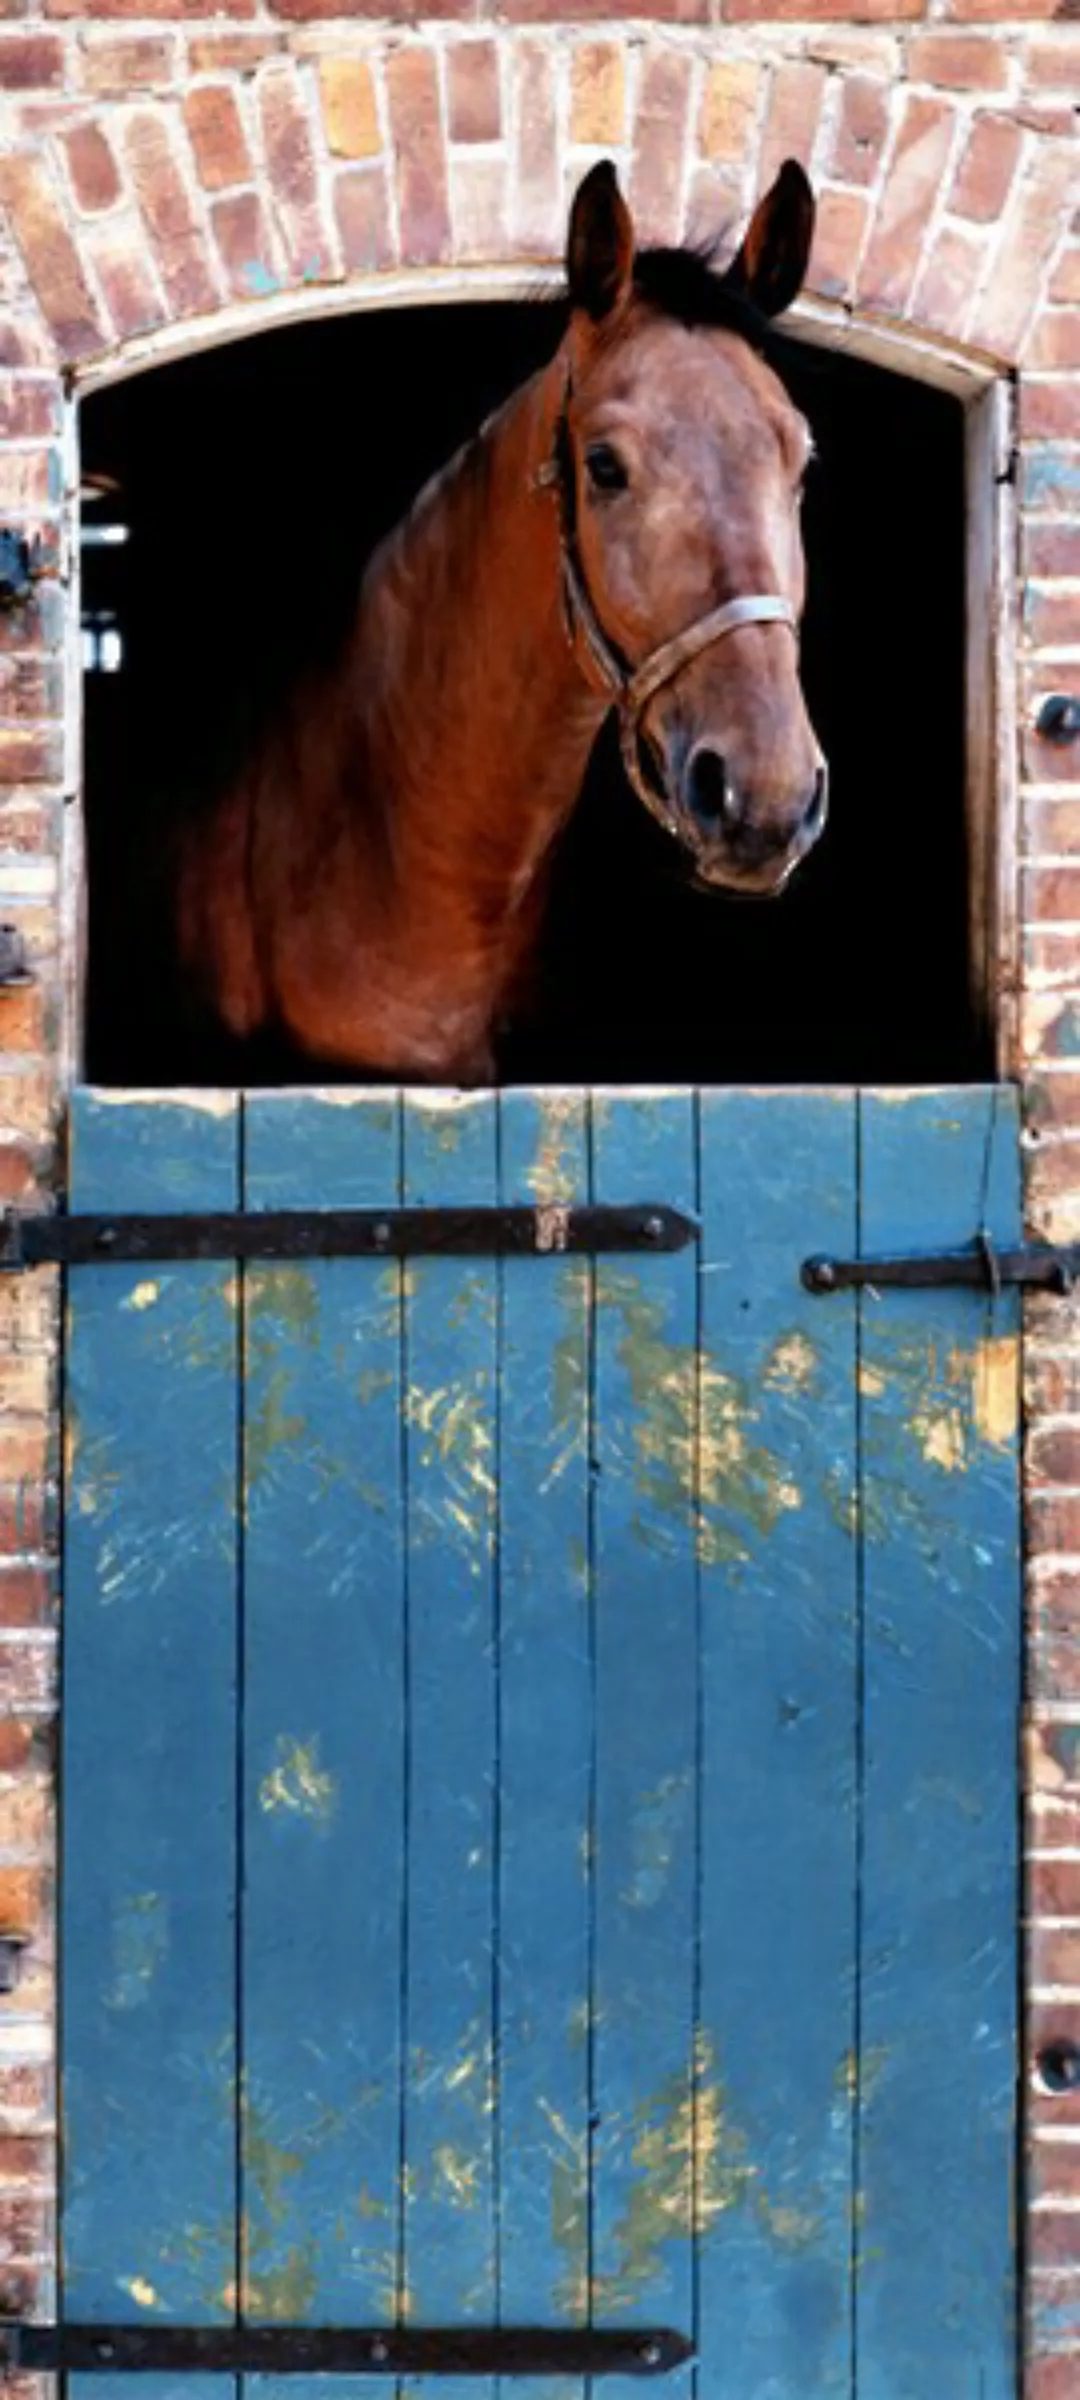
(772, 262)
(600, 244)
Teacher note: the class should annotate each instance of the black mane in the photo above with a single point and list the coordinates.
(685, 285)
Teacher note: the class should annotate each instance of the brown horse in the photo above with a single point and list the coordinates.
(624, 531)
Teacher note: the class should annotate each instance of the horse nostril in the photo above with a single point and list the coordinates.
(709, 795)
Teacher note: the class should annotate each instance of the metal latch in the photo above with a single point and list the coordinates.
(1037, 1266)
(338, 2350)
(303, 1233)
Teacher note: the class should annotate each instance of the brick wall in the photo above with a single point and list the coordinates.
(162, 173)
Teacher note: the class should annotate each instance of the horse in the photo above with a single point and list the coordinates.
(623, 532)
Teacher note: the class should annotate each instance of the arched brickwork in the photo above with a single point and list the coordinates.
(166, 180)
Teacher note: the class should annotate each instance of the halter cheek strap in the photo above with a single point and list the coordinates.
(631, 688)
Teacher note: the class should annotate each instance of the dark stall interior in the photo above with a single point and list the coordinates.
(231, 502)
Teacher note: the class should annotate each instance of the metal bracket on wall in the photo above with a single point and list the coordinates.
(338, 2350)
(302, 1233)
(1035, 1266)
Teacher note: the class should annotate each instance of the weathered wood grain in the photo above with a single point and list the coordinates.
(940, 1900)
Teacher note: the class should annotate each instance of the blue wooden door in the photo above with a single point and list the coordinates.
(540, 1744)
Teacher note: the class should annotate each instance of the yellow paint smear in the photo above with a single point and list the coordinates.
(141, 2290)
(143, 1296)
(996, 1389)
(297, 1783)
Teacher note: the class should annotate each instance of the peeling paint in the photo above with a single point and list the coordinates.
(296, 1783)
(792, 1364)
(692, 1429)
(552, 1178)
(144, 1296)
(996, 1389)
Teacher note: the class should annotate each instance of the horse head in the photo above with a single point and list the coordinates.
(680, 460)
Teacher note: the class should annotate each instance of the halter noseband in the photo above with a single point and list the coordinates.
(631, 688)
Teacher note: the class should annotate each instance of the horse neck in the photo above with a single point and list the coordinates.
(481, 719)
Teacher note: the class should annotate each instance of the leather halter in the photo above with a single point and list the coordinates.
(631, 688)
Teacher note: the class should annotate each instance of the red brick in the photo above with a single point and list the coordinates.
(246, 245)
(18, 1171)
(95, 181)
(473, 98)
(1054, 1960)
(31, 62)
(118, 69)
(958, 62)
(419, 154)
(1033, 227)
(792, 117)
(350, 108)
(26, 1593)
(217, 136)
(812, 12)
(20, 1898)
(18, 1737)
(598, 95)
(24, 2093)
(25, 2159)
(839, 233)
(175, 234)
(1053, 1884)
(1052, 619)
(1052, 892)
(24, 2227)
(660, 126)
(290, 160)
(944, 290)
(232, 53)
(362, 209)
(147, 8)
(28, 193)
(585, 12)
(1065, 280)
(1054, 1454)
(1050, 2378)
(727, 130)
(1050, 410)
(536, 190)
(915, 173)
(1052, 65)
(1058, 121)
(1056, 339)
(27, 479)
(972, 12)
(24, 1024)
(1044, 761)
(31, 755)
(121, 261)
(861, 129)
(986, 168)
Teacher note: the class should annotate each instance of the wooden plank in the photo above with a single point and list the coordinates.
(938, 1970)
(778, 1870)
(324, 1734)
(149, 1732)
(645, 2087)
(449, 1155)
(545, 1682)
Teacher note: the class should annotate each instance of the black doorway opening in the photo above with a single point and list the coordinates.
(234, 498)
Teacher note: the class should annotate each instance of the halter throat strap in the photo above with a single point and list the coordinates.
(631, 688)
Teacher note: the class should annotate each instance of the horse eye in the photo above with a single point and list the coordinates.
(605, 469)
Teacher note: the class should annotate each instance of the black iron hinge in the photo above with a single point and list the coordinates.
(338, 2350)
(1036, 1266)
(551, 1229)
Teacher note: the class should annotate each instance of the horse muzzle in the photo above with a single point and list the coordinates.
(739, 843)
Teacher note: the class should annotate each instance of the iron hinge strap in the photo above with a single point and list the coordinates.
(554, 1229)
(1035, 1266)
(339, 2350)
